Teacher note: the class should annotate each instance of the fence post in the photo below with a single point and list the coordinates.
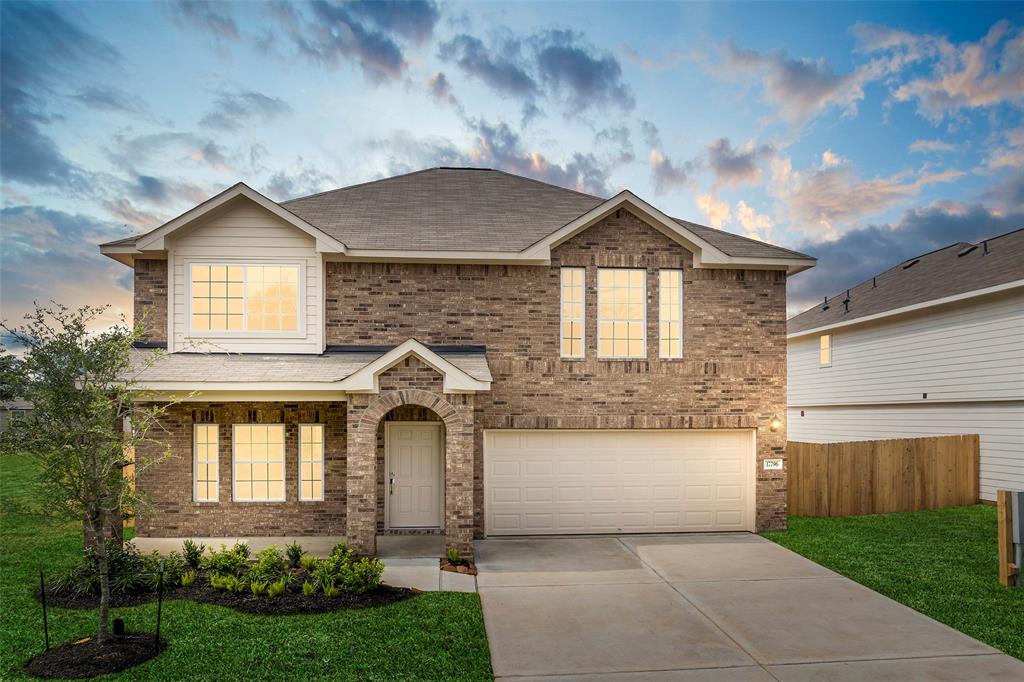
(1007, 569)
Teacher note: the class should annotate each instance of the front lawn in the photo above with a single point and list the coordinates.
(940, 562)
(430, 636)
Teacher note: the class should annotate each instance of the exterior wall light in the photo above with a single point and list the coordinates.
(775, 424)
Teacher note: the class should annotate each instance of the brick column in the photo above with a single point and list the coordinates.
(458, 476)
(361, 479)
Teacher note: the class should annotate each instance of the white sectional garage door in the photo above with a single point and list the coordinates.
(603, 481)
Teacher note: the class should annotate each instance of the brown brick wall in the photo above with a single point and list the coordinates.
(168, 484)
(151, 298)
(733, 373)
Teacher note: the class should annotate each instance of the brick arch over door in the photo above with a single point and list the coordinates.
(364, 415)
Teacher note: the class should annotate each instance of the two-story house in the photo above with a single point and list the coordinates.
(461, 352)
(932, 346)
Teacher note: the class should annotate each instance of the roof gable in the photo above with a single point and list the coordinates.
(456, 380)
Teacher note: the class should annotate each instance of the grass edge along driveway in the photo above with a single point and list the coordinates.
(940, 562)
(431, 636)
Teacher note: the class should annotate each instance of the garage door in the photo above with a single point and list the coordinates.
(552, 482)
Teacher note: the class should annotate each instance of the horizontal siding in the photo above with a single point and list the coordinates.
(249, 232)
(1000, 425)
(973, 351)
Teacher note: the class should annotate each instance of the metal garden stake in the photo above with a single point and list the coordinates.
(159, 603)
(42, 594)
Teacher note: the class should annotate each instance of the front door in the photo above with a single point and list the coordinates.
(414, 469)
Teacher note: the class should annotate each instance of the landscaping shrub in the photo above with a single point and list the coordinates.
(227, 561)
(270, 566)
(126, 573)
(257, 587)
(362, 576)
(454, 557)
(309, 562)
(294, 553)
(188, 578)
(276, 589)
(174, 568)
(331, 590)
(308, 589)
(193, 553)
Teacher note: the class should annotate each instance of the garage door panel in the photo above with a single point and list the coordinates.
(618, 481)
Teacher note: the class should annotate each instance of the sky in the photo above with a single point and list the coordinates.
(862, 134)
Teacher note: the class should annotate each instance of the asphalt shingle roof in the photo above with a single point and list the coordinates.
(946, 272)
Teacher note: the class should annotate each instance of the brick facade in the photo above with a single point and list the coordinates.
(732, 375)
(151, 298)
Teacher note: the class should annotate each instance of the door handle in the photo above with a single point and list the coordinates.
(391, 484)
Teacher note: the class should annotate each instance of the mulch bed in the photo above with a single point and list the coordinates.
(461, 567)
(289, 603)
(87, 658)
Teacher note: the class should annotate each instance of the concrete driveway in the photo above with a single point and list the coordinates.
(704, 607)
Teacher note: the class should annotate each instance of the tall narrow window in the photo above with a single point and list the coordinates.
(621, 313)
(825, 350)
(259, 462)
(205, 463)
(573, 312)
(311, 462)
(244, 298)
(670, 314)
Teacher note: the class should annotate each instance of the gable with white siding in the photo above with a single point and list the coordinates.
(246, 234)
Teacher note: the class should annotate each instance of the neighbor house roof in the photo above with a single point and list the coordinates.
(326, 371)
(468, 211)
(955, 270)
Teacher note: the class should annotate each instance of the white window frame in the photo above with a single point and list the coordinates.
(300, 311)
(831, 348)
(582, 319)
(323, 463)
(643, 324)
(195, 464)
(284, 466)
(661, 291)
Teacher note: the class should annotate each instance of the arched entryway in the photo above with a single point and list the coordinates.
(365, 414)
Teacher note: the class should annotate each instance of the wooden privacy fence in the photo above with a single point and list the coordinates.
(878, 476)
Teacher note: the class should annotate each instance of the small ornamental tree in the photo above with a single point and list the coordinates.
(88, 416)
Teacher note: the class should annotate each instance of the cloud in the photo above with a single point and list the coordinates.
(300, 179)
(440, 89)
(359, 32)
(667, 174)
(233, 110)
(39, 51)
(737, 166)
(965, 76)
(122, 209)
(213, 18)
(928, 146)
(833, 196)
(571, 67)
(1009, 194)
(755, 225)
(716, 212)
(169, 148)
(867, 251)
(1008, 154)
(62, 245)
(501, 68)
(166, 191)
(110, 98)
(618, 140)
(799, 88)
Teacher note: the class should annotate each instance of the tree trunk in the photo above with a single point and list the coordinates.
(103, 554)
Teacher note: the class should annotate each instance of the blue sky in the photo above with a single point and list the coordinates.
(860, 133)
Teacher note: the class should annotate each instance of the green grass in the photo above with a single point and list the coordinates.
(430, 636)
(940, 562)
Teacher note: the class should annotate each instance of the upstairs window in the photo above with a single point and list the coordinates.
(621, 313)
(573, 312)
(825, 350)
(670, 314)
(259, 298)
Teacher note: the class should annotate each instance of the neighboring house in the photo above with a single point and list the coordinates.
(933, 346)
(460, 351)
(10, 409)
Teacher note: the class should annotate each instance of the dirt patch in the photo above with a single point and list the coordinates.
(87, 658)
(290, 603)
(461, 567)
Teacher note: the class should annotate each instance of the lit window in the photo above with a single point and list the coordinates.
(259, 462)
(311, 462)
(245, 297)
(670, 314)
(573, 312)
(825, 350)
(205, 463)
(621, 313)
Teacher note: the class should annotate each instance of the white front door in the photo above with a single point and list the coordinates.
(414, 470)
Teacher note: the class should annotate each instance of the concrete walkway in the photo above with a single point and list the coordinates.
(704, 608)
